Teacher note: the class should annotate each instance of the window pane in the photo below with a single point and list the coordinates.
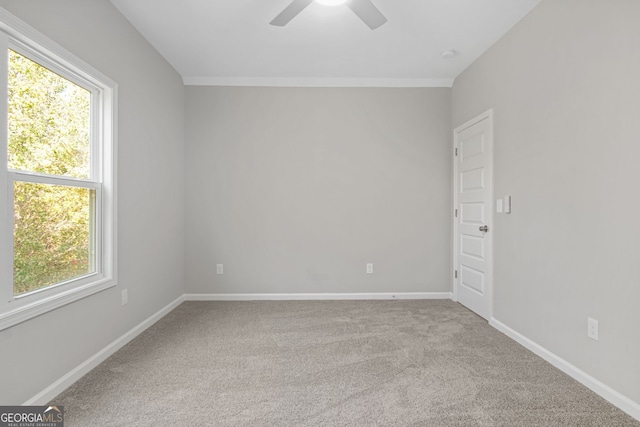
(53, 235)
(49, 121)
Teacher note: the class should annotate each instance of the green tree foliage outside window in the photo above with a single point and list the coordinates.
(49, 133)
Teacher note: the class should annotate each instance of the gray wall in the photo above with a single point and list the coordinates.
(565, 86)
(294, 190)
(150, 216)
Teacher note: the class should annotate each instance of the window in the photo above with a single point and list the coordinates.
(57, 182)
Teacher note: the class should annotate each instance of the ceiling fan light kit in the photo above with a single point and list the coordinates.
(364, 9)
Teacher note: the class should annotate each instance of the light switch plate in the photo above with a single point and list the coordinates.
(507, 204)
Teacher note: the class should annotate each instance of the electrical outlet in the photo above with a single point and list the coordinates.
(219, 268)
(592, 328)
(125, 297)
(370, 268)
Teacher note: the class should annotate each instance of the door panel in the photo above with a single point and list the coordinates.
(472, 145)
(472, 180)
(472, 279)
(472, 246)
(472, 213)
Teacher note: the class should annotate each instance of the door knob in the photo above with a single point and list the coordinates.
(484, 228)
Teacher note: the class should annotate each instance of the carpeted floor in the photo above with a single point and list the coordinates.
(329, 363)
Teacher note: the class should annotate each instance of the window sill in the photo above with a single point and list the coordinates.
(26, 312)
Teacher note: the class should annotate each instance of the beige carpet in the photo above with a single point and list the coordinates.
(329, 363)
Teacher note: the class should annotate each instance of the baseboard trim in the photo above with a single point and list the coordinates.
(79, 371)
(616, 398)
(320, 296)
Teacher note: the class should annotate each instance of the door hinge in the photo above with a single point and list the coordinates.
(456, 274)
(456, 151)
(456, 213)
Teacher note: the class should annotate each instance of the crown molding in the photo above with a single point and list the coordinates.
(316, 82)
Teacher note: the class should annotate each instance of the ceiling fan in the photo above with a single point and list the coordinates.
(365, 10)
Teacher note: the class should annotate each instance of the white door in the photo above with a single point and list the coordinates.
(473, 174)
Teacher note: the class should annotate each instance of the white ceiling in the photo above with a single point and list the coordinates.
(230, 42)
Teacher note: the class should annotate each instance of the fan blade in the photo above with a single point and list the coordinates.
(290, 12)
(366, 11)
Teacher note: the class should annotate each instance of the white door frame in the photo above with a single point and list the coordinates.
(486, 115)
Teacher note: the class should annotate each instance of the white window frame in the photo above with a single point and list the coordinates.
(16, 35)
